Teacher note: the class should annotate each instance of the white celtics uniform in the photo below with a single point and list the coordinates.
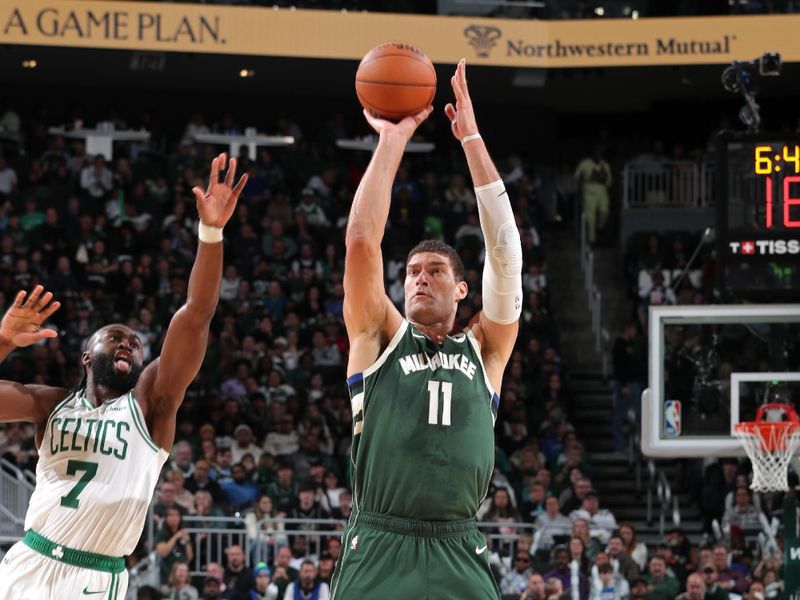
(95, 478)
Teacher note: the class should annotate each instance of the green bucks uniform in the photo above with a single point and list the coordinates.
(423, 454)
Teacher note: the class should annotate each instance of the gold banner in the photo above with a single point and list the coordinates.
(328, 34)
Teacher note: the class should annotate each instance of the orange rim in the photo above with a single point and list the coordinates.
(773, 435)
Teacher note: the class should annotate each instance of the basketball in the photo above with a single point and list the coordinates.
(395, 80)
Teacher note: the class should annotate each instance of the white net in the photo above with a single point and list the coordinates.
(770, 447)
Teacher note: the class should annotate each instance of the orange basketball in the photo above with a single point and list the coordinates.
(395, 80)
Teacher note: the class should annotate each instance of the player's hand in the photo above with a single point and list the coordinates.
(406, 127)
(462, 116)
(217, 203)
(21, 325)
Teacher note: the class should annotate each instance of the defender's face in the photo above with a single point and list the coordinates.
(431, 291)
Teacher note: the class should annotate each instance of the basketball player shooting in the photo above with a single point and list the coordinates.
(102, 446)
(424, 401)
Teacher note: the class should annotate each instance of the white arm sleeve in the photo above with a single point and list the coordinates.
(502, 270)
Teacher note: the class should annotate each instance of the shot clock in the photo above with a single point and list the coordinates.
(758, 216)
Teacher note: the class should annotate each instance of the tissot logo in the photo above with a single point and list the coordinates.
(483, 38)
(764, 247)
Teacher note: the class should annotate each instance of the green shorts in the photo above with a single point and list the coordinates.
(390, 558)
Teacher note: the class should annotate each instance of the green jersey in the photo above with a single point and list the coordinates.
(423, 428)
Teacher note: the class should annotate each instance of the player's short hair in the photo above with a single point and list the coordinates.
(437, 247)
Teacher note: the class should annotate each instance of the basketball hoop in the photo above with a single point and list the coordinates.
(770, 444)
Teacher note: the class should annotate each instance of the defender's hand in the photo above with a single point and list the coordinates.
(217, 204)
(21, 324)
(462, 116)
(405, 127)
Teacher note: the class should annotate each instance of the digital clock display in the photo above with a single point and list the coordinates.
(757, 196)
(780, 164)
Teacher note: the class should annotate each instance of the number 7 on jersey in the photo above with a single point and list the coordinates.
(433, 402)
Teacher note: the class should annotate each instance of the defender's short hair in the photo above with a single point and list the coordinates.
(437, 247)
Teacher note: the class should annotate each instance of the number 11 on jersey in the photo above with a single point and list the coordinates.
(433, 402)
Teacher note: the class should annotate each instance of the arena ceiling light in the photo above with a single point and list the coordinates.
(30, 63)
(245, 73)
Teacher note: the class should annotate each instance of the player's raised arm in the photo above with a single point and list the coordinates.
(165, 379)
(369, 315)
(498, 322)
(20, 327)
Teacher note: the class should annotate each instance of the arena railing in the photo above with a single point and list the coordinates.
(211, 536)
(15, 494)
(668, 183)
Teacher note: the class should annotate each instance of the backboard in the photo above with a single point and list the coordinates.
(711, 367)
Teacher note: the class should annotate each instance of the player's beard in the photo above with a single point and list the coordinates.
(104, 373)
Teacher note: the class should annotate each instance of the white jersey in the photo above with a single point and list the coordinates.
(97, 471)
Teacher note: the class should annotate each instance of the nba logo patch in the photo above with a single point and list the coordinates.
(672, 418)
(354, 543)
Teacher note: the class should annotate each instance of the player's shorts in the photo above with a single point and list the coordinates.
(390, 558)
(39, 569)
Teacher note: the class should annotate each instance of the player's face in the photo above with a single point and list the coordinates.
(431, 291)
(115, 358)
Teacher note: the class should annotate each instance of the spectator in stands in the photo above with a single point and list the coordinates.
(182, 457)
(639, 591)
(621, 562)
(629, 361)
(166, 500)
(580, 529)
(742, 514)
(729, 579)
(633, 548)
(173, 543)
(516, 580)
(263, 589)
(200, 480)
(222, 469)
(307, 587)
(183, 497)
(658, 581)
(284, 489)
(577, 555)
(755, 591)
(285, 441)
(553, 588)
(674, 567)
(211, 588)
(96, 179)
(238, 578)
(571, 499)
(695, 589)
(261, 523)
(282, 571)
(606, 586)
(593, 175)
(552, 523)
(239, 492)
(712, 584)
(602, 522)
(244, 444)
(535, 589)
(563, 572)
(178, 585)
(502, 510)
(8, 179)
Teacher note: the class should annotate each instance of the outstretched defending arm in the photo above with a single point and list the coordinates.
(369, 315)
(21, 326)
(498, 322)
(165, 380)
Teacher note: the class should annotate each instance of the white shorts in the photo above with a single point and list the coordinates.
(27, 575)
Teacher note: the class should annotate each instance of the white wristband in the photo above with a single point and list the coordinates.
(208, 234)
(469, 138)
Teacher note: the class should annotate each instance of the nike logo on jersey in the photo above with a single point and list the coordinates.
(480, 550)
(86, 592)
